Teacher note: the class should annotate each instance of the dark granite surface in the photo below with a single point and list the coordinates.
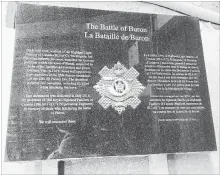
(99, 131)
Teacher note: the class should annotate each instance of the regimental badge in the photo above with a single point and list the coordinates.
(119, 87)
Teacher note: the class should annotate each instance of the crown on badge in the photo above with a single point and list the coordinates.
(119, 68)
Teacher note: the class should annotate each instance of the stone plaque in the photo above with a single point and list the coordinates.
(93, 83)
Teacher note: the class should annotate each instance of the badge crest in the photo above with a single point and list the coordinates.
(119, 87)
